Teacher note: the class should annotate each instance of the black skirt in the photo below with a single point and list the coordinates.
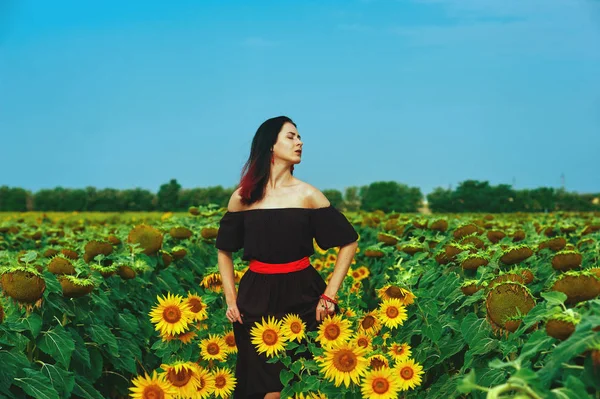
(261, 295)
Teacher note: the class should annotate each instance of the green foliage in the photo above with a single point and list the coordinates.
(478, 196)
(390, 196)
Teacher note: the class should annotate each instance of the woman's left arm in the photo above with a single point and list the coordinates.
(342, 264)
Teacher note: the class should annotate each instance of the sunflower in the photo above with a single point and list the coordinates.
(185, 338)
(356, 286)
(172, 315)
(197, 306)
(399, 352)
(183, 376)
(377, 362)
(238, 274)
(267, 336)
(370, 323)
(212, 282)
(349, 312)
(318, 264)
(152, 387)
(207, 384)
(409, 373)
(229, 339)
(392, 313)
(343, 363)
(362, 340)
(330, 260)
(224, 382)
(293, 328)
(355, 274)
(213, 348)
(360, 273)
(334, 331)
(380, 384)
(393, 291)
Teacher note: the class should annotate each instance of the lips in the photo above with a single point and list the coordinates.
(298, 152)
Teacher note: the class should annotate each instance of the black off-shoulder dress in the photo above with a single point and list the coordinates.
(276, 235)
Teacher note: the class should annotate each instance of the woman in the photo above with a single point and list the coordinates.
(274, 217)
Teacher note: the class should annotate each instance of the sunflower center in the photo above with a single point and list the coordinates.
(345, 360)
(153, 392)
(213, 348)
(332, 331)
(296, 327)
(270, 337)
(376, 363)
(355, 274)
(394, 292)
(362, 342)
(230, 340)
(380, 385)
(172, 314)
(406, 373)
(399, 350)
(368, 322)
(202, 383)
(392, 312)
(195, 304)
(220, 382)
(179, 378)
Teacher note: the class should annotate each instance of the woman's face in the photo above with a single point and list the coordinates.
(288, 144)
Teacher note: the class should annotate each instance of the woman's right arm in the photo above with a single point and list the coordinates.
(226, 269)
(225, 261)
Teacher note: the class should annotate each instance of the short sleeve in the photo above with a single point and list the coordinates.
(230, 236)
(331, 228)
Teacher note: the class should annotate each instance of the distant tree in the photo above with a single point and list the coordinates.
(136, 200)
(13, 199)
(168, 196)
(441, 200)
(352, 199)
(390, 196)
(335, 198)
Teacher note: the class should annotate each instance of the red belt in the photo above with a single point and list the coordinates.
(274, 268)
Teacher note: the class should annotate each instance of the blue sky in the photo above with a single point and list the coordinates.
(429, 93)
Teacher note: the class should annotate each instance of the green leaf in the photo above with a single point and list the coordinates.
(12, 361)
(296, 366)
(62, 380)
(32, 323)
(312, 383)
(81, 353)
(468, 383)
(52, 284)
(58, 344)
(286, 392)
(554, 297)
(432, 329)
(85, 390)
(291, 345)
(36, 385)
(285, 376)
(101, 334)
(128, 322)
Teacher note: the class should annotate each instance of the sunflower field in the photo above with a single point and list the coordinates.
(130, 305)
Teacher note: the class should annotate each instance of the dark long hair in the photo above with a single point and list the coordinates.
(256, 170)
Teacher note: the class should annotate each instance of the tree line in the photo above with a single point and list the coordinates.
(388, 196)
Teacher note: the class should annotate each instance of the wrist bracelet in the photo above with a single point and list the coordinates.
(325, 297)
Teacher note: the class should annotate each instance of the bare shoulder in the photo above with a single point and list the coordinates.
(235, 202)
(314, 198)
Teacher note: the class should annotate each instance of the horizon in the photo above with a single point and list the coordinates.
(427, 93)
